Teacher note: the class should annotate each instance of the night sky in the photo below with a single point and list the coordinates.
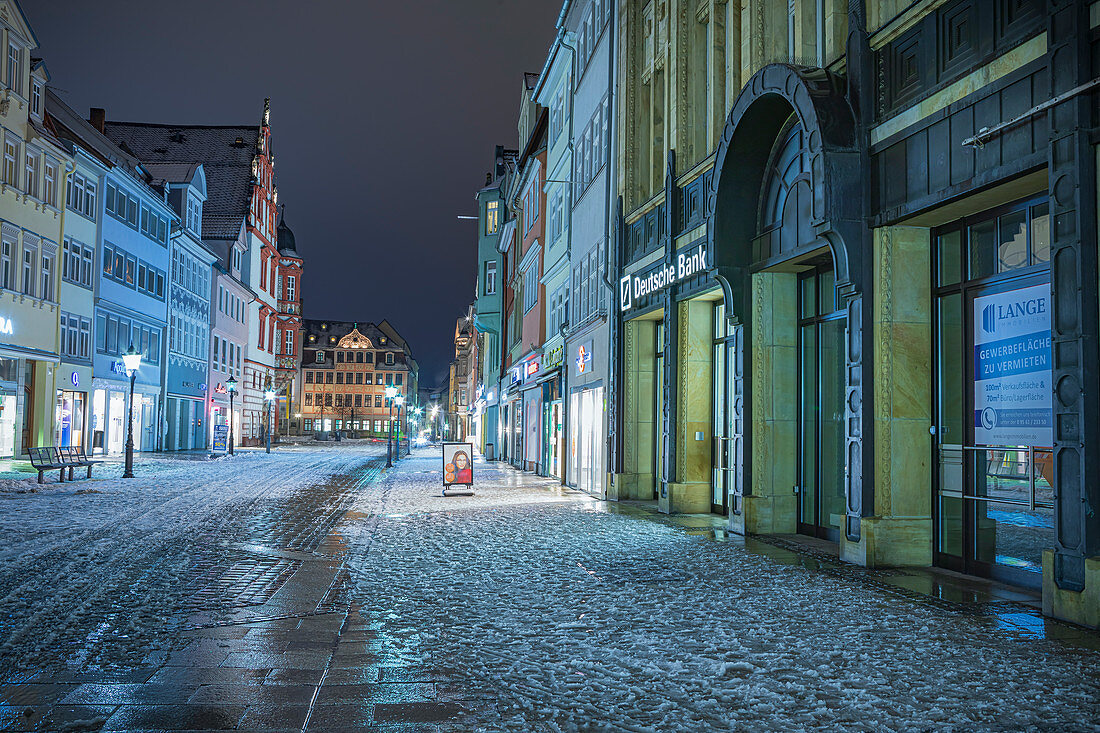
(384, 116)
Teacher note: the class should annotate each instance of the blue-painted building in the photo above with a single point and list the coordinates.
(189, 313)
(131, 305)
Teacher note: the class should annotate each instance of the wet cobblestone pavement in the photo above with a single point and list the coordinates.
(311, 590)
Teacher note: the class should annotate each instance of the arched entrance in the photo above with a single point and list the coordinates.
(783, 214)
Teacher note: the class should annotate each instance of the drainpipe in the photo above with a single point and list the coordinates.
(564, 328)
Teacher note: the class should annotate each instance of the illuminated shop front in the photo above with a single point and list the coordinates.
(587, 427)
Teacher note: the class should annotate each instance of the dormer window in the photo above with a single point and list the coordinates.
(194, 215)
(36, 98)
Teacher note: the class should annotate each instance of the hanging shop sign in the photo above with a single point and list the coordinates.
(584, 358)
(6, 326)
(220, 389)
(554, 358)
(75, 379)
(531, 368)
(1012, 368)
(633, 288)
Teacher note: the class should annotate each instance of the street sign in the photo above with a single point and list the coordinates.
(221, 438)
(458, 465)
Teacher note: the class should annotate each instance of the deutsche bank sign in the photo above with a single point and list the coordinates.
(1012, 368)
(633, 288)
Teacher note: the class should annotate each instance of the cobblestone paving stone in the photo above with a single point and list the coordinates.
(311, 590)
(199, 597)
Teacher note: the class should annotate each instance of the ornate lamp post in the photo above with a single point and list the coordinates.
(231, 385)
(269, 395)
(391, 392)
(131, 360)
(400, 400)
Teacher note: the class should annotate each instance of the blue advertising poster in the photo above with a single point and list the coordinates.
(221, 438)
(1012, 368)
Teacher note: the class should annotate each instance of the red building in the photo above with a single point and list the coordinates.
(288, 319)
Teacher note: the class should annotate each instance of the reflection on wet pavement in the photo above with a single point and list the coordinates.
(253, 622)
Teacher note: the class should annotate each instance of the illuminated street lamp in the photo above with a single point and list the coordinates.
(400, 400)
(269, 395)
(391, 392)
(131, 360)
(231, 385)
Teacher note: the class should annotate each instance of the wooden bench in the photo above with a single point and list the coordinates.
(77, 459)
(48, 459)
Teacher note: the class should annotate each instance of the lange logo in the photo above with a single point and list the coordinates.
(993, 313)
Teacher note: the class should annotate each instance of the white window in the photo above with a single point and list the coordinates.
(36, 98)
(30, 172)
(14, 77)
(30, 262)
(491, 277)
(7, 247)
(49, 190)
(47, 276)
(389, 359)
(288, 342)
(80, 195)
(530, 285)
(194, 215)
(11, 154)
(291, 288)
(492, 217)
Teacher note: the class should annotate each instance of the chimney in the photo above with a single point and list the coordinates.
(98, 117)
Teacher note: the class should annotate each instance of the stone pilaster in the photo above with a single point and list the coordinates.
(639, 412)
(771, 506)
(899, 528)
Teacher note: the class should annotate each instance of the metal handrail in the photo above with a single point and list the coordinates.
(1031, 504)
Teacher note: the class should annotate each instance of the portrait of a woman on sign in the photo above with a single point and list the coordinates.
(457, 464)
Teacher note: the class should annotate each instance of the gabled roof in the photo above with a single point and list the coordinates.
(225, 151)
(19, 22)
(74, 128)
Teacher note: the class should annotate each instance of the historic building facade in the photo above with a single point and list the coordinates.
(346, 368)
(488, 304)
(189, 311)
(288, 326)
(239, 227)
(858, 235)
(34, 171)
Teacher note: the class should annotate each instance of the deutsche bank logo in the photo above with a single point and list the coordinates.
(989, 318)
(624, 293)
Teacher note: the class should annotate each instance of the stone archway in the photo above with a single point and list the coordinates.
(777, 99)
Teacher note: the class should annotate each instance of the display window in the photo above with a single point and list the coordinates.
(993, 501)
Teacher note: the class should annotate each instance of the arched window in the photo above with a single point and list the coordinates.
(785, 196)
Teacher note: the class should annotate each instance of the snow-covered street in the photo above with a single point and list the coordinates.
(313, 590)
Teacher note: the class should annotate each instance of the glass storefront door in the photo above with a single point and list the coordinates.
(659, 411)
(820, 406)
(724, 412)
(993, 502)
(553, 438)
(70, 418)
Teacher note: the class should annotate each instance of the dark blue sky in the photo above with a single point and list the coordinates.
(384, 116)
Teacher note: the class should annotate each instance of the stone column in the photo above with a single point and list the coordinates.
(898, 530)
(639, 412)
(689, 488)
(773, 352)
